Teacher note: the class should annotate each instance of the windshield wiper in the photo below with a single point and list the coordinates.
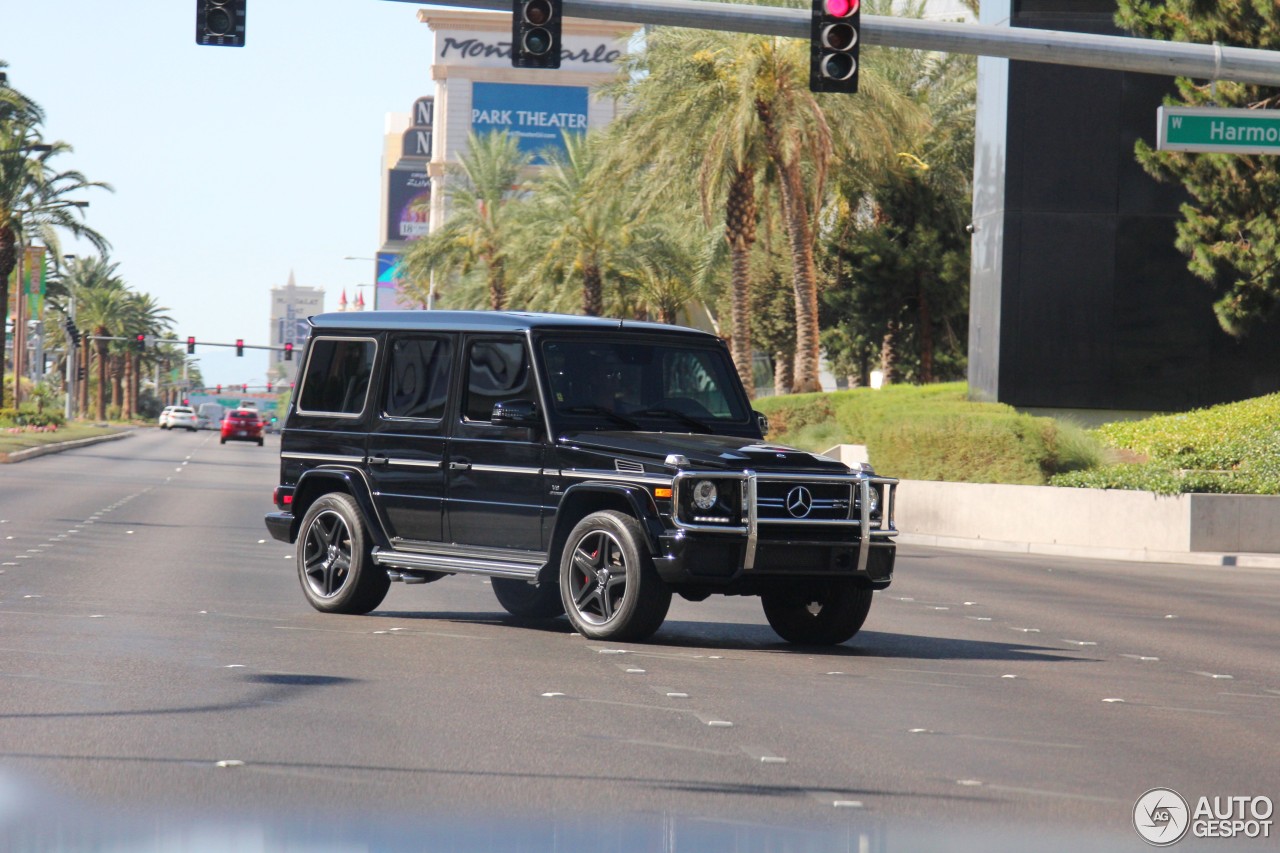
(680, 416)
(601, 410)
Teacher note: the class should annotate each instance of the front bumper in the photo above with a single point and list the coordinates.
(857, 542)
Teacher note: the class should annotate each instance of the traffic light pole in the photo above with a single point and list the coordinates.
(1118, 53)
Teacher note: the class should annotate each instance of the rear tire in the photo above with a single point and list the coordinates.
(609, 586)
(532, 601)
(335, 567)
(818, 612)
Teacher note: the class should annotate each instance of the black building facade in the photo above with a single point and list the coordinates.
(1079, 299)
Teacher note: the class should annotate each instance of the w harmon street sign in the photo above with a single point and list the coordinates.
(1209, 129)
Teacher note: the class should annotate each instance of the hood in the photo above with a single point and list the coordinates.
(714, 452)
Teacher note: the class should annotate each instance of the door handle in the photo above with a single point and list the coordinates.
(460, 465)
(379, 460)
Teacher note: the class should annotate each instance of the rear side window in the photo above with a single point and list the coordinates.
(418, 384)
(337, 379)
(497, 371)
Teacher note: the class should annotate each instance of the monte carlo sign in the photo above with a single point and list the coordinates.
(1222, 130)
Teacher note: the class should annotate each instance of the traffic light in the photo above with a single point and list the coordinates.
(219, 390)
(535, 33)
(80, 373)
(191, 344)
(239, 346)
(244, 389)
(140, 342)
(288, 352)
(833, 45)
(73, 334)
(220, 23)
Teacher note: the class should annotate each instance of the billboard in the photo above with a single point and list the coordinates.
(386, 294)
(408, 204)
(534, 115)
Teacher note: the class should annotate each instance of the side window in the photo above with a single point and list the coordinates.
(418, 384)
(496, 371)
(337, 380)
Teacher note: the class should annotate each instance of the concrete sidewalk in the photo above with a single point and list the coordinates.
(1140, 555)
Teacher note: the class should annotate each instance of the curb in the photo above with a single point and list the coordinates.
(1136, 555)
(58, 447)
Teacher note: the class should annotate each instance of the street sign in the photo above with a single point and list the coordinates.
(1215, 129)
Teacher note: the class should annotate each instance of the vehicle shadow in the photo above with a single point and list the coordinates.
(729, 636)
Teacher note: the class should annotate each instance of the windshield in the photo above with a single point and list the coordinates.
(651, 385)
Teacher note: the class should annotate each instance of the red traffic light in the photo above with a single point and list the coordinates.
(191, 344)
(841, 8)
(288, 352)
(239, 346)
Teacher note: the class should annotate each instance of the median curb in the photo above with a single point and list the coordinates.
(59, 446)
(1136, 555)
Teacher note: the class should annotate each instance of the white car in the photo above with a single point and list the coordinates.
(178, 417)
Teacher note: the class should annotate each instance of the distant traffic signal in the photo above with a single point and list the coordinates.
(833, 45)
(140, 342)
(288, 352)
(535, 33)
(219, 389)
(220, 23)
(73, 334)
(239, 346)
(191, 344)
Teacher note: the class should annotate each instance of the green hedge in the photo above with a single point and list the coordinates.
(932, 433)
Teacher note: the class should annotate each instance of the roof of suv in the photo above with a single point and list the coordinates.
(484, 321)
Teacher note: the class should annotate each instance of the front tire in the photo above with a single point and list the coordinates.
(817, 612)
(531, 601)
(334, 562)
(608, 584)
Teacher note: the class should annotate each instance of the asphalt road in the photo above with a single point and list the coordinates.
(153, 637)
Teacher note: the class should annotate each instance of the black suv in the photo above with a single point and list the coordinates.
(590, 467)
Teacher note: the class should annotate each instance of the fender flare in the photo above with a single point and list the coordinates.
(576, 504)
(317, 481)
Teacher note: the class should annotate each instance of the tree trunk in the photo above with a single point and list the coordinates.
(889, 354)
(592, 291)
(497, 284)
(795, 215)
(117, 394)
(740, 232)
(8, 260)
(783, 372)
(102, 373)
(130, 367)
(925, 320)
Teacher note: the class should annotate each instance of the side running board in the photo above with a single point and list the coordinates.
(453, 564)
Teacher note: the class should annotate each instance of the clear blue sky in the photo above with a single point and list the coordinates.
(231, 166)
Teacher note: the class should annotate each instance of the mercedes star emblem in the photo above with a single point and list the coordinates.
(799, 502)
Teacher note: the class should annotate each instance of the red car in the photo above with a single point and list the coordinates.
(242, 425)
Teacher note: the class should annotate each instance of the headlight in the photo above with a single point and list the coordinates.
(704, 494)
(873, 499)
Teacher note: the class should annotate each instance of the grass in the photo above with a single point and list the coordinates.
(933, 433)
(12, 442)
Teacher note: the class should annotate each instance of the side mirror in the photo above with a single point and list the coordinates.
(515, 413)
(763, 423)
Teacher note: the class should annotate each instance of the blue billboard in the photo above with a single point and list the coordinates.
(534, 115)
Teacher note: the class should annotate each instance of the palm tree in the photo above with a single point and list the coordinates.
(764, 122)
(141, 315)
(579, 222)
(481, 188)
(101, 309)
(676, 90)
(35, 199)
